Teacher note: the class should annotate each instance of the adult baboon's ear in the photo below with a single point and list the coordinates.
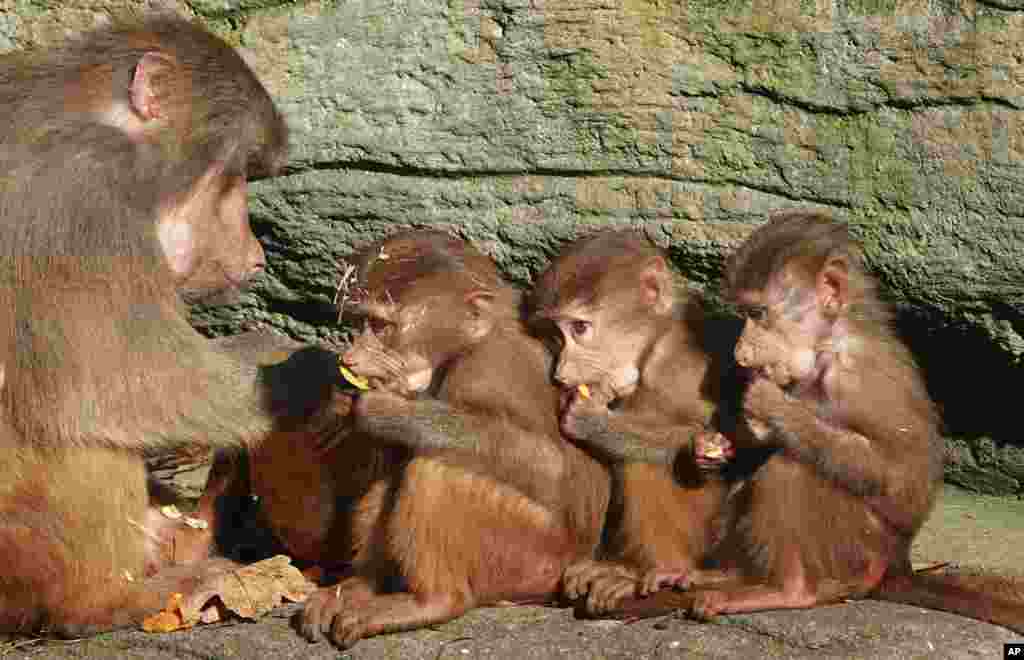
(145, 95)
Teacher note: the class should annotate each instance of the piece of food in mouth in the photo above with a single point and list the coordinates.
(584, 391)
(357, 381)
(714, 451)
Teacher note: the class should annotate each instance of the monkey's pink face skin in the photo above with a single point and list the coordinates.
(599, 350)
(782, 334)
(206, 237)
(390, 351)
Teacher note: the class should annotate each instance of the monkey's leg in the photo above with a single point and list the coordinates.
(74, 543)
(664, 533)
(671, 525)
(345, 621)
(797, 542)
(726, 594)
(460, 539)
(47, 591)
(610, 587)
(795, 592)
(801, 542)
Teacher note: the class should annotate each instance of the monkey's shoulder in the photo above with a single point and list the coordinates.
(509, 366)
(675, 361)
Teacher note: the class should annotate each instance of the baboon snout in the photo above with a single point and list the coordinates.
(350, 358)
(744, 353)
(565, 374)
(255, 258)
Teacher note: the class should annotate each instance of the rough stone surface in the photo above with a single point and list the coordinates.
(863, 630)
(522, 123)
(981, 531)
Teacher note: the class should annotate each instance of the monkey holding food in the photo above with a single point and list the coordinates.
(487, 501)
(646, 379)
(856, 458)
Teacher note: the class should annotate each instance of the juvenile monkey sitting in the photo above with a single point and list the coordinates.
(491, 503)
(643, 374)
(855, 454)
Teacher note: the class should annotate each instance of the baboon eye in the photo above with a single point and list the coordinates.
(579, 328)
(379, 327)
(756, 314)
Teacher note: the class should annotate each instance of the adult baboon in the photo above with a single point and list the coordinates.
(123, 164)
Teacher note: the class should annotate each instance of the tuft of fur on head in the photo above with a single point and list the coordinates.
(800, 243)
(594, 268)
(388, 269)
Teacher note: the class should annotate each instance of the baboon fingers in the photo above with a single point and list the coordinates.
(346, 629)
(708, 604)
(317, 612)
(579, 578)
(658, 579)
(575, 582)
(333, 612)
(608, 592)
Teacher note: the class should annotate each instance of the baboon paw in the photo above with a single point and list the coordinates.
(332, 612)
(707, 605)
(576, 579)
(607, 592)
(348, 628)
(317, 616)
(382, 403)
(577, 427)
(579, 579)
(583, 417)
(656, 580)
(764, 399)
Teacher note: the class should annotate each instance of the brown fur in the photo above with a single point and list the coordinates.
(647, 346)
(313, 467)
(99, 152)
(494, 504)
(833, 512)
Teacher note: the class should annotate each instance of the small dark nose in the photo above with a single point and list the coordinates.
(742, 355)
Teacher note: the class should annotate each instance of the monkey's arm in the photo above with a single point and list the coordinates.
(423, 424)
(627, 437)
(853, 460)
(617, 439)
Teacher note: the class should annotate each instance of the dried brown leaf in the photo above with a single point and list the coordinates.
(250, 591)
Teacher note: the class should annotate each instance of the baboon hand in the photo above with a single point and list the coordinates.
(584, 412)
(712, 450)
(333, 613)
(599, 585)
(763, 401)
(379, 403)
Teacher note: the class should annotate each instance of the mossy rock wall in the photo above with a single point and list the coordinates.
(520, 124)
